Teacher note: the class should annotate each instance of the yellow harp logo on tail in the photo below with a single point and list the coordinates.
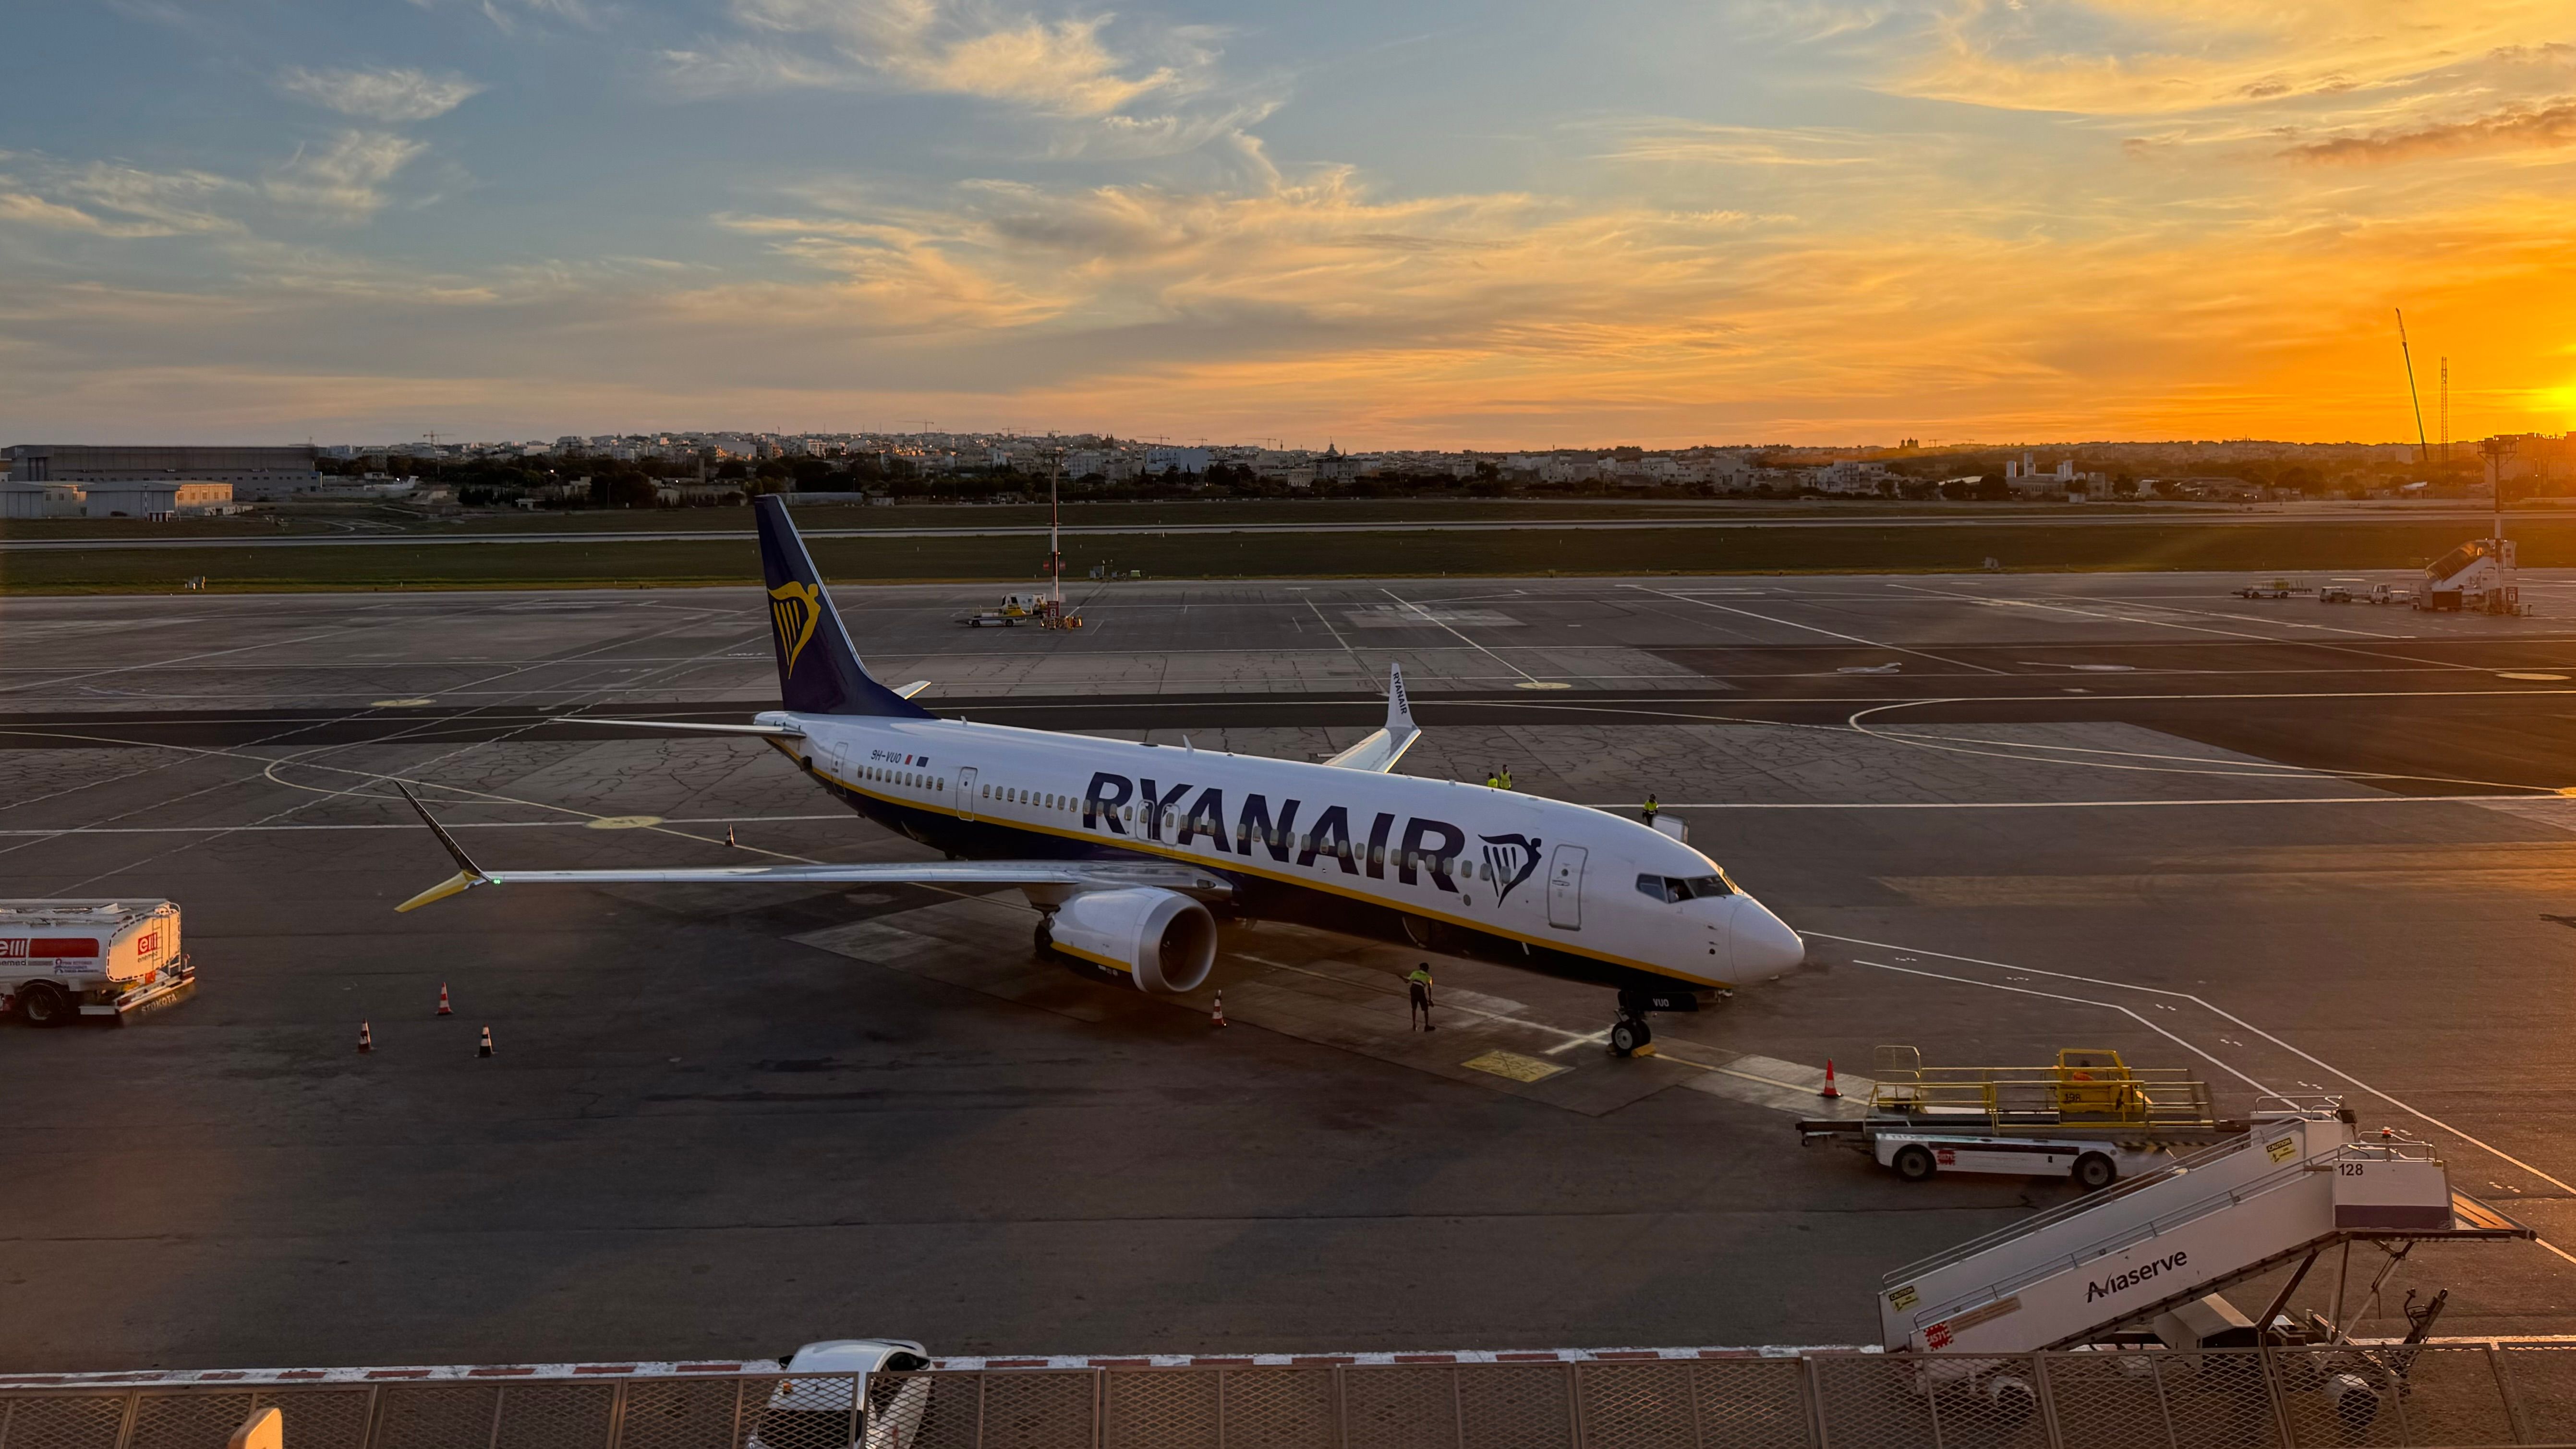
(793, 610)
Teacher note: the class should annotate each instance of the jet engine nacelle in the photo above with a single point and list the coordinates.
(1162, 939)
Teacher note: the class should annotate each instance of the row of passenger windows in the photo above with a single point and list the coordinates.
(912, 779)
(1013, 795)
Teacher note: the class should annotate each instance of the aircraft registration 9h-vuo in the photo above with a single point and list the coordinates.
(1131, 851)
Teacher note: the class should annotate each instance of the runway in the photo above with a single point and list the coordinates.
(2303, 848)
(1638, 519)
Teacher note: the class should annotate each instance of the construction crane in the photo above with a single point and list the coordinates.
(2423, 449)
(2446, 410)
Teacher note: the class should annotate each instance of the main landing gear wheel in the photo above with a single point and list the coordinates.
(1628, 1034)
(1914, 1163)
(2093, 1172)
(1046, 937)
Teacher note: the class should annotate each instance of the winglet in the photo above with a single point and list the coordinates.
(468, 874)
(1399, 705)
(1383, 748)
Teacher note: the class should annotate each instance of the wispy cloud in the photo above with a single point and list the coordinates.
(2516, 128)
(510, 17)
(345, 180)
(29, 209)
(1089, 85)
(1730, 145)
(1055, 65)
(2147, 57)
(166, 202)
(399, 94)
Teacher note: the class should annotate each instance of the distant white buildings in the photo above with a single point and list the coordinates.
(1852, 477)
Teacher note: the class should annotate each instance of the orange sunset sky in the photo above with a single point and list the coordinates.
(1439, 224)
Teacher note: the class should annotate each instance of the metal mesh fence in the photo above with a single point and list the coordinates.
(82, 1421)
(2452, 1396)
(2542, 1386)
(2107, 1401)
(1751, 1404)
(2359, 1396)
(2221, 1399)
(324, 1418)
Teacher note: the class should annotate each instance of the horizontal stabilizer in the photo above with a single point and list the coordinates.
(1378, 753)
(909, 690)
(771, 731)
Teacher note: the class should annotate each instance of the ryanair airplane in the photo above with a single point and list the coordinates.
(1130, 852)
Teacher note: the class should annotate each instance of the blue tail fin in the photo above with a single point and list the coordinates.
(818, 671)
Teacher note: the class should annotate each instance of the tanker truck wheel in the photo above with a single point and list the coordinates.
(43, 1004)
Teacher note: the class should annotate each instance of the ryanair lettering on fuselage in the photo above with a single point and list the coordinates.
(1146, 809)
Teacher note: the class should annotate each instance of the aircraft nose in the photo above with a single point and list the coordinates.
(1764, 942)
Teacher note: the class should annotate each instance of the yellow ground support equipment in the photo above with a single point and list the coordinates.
(2088, 1087)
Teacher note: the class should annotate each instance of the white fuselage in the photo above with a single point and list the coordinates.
(1442, 864)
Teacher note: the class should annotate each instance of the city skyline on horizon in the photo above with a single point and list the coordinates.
(1485, 228)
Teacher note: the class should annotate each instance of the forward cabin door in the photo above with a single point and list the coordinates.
(1565, 888)
(966, 794)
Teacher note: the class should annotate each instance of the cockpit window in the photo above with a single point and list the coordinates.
(1675, 888)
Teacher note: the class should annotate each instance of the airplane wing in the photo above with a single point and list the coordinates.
(1086, 875)
(1379, 752)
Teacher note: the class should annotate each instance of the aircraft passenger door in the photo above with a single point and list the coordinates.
(966, 794)
(1565, 888)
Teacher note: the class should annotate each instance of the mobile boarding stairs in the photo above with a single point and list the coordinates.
(2156, 1250)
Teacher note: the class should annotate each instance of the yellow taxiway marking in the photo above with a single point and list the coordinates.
(396, 703)
(1513, 1065)
(623, 822)
(2542, 678)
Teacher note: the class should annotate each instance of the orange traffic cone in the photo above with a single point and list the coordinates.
(366, 1039)
(485, 1049)
(1217, 1017)
(1831, 1091)
(443, 1008)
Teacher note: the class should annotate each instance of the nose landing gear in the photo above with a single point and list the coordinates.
(1629, 1033)
(1630, 1036)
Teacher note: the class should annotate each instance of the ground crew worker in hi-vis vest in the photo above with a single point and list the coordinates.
(1419, 982)
(1507, 777)
(1650, 807)
(1493, 779)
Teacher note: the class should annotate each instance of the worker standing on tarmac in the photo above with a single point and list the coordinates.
(1651, 807)
(1494, 778)
(1418, 982)
(1507, 777)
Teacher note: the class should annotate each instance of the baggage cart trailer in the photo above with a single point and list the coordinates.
(2091, 1117)
(62, 960)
